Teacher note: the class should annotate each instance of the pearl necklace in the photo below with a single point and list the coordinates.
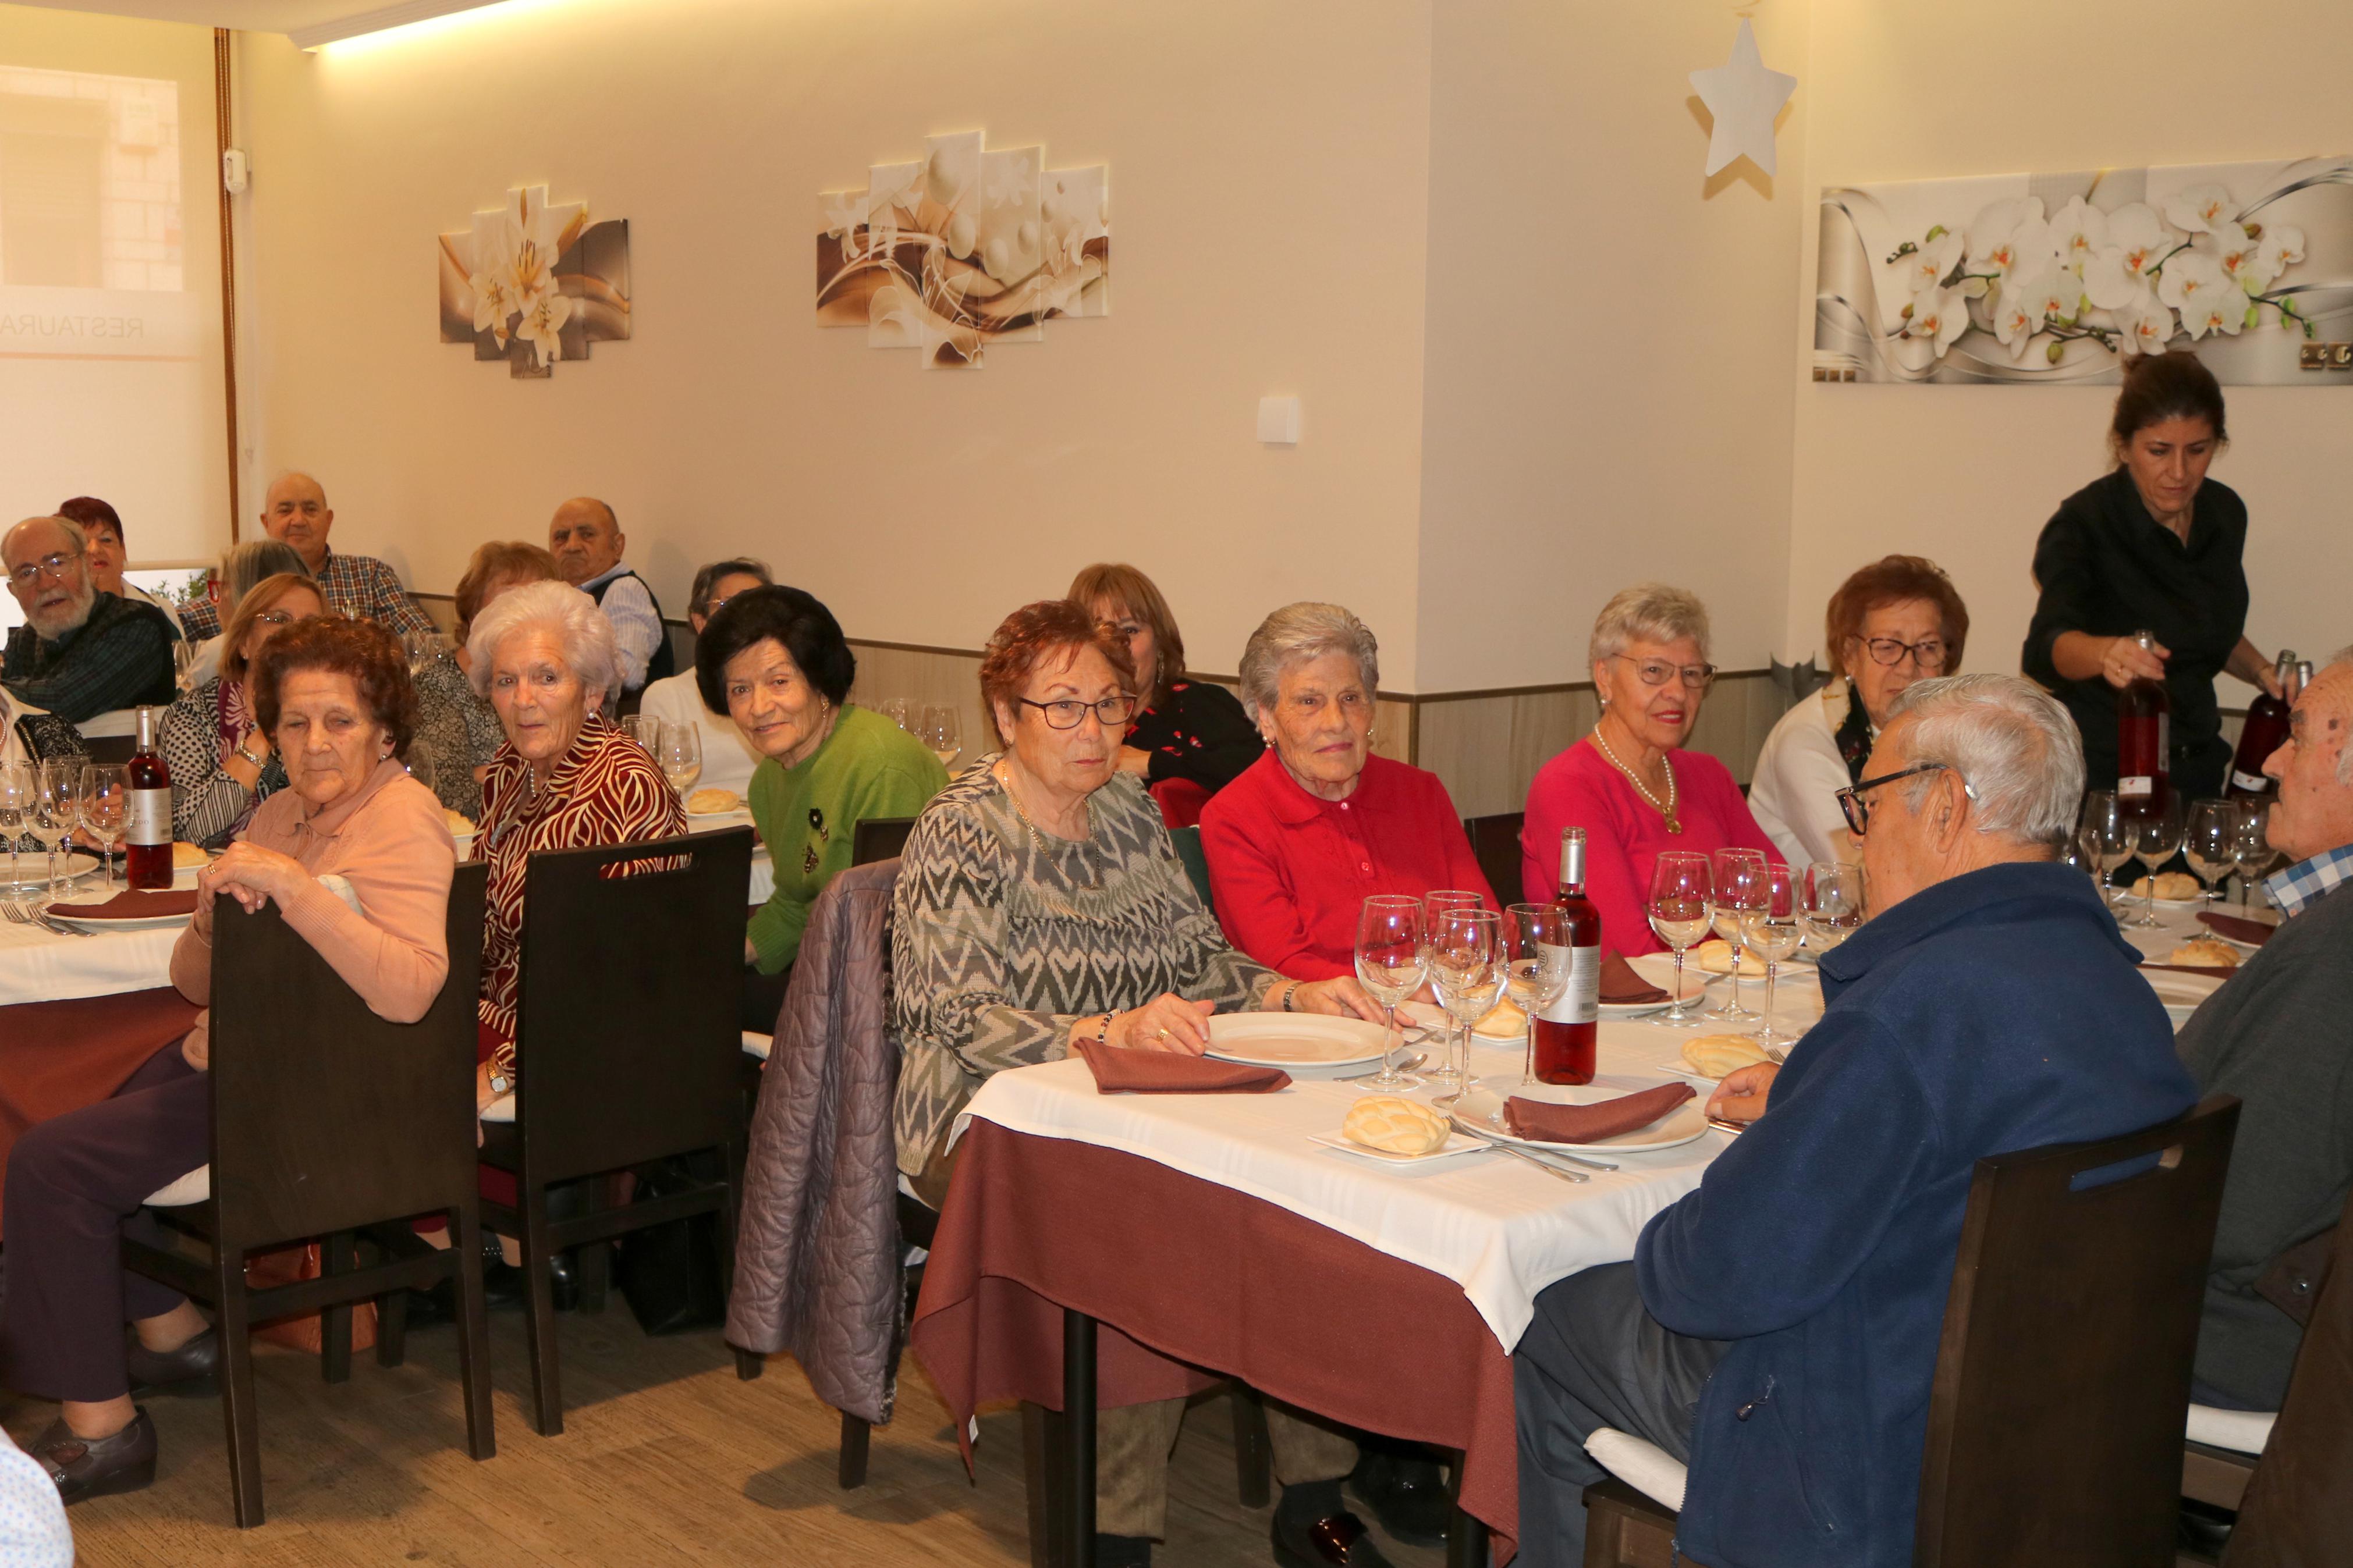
(1665, 808)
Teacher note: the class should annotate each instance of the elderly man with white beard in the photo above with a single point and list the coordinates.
(81, 651)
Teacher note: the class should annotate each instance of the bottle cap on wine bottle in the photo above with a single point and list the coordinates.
(146, 729)
(1572, 859)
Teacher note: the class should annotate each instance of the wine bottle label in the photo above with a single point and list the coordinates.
(2248, 781)
(2135, 786)
(150, 816)
(1581, 1002)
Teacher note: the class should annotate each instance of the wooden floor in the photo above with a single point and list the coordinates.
(665, 1458)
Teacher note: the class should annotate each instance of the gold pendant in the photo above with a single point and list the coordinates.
(1673, 826)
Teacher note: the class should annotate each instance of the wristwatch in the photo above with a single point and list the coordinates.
(500, 1082)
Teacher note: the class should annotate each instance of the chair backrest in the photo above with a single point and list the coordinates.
(325, 1116)
(879, 838)
(2299, 1511)
(1495, 842)
(627, 1018)
(1188, 842)
(1180, 801)
(2062, 1379)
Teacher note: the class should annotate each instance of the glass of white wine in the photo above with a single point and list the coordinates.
(680, 757)
(1681, 890)
(1392, 956)
(1466, 969)
(1770, 929)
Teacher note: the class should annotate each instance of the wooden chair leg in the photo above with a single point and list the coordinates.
(473, 1335)
(238, 1409)
(539, 1315)
(1253, 1459)
(855, 1436)
(723, 1227)
(335, 1257)
(596, 1256)
(392, 1328)
(1042, 1443)
(749, 1364)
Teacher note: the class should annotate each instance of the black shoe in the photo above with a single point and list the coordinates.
(504, 1284)
(1123, 1550)
(1336, 1541)
(192, 1372)
(83, 1469)
(1406, 1494)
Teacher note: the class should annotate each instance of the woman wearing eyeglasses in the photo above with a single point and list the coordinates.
(1629, 784)
(221, 761)
(1896, 621)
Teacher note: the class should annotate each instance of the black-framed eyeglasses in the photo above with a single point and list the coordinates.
(52, 566)
(1857, 810)
(1928, 653)
(1069, 713)
(1658, 672)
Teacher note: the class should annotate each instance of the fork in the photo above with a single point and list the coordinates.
(32, 914)
(1518, 1154)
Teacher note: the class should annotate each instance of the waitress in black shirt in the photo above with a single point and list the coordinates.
(2154, 546)
(1183, 728)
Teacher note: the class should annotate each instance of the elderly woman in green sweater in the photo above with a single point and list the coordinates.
(773, 660)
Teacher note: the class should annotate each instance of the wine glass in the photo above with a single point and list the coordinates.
(16, 804)
(185, 655)
(645, 730)
(1739, 875)
(1466, 969)
(419, 647)
(680, 757)
(105, 804)
(2157, 838)
(55, 812)
(941, 730)
(1681, 888)
(2105, 832)
(1390, 963)
(1770, 929)
(1537, 962)
(895, 710)
(420, 766)
(2251, 850)
(2210, 843)
(1830, 904)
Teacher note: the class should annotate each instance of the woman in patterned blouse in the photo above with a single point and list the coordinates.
(221, 761)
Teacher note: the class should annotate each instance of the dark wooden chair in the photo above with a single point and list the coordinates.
(879, 838)
(2063, 1377)
(1495, 842)
(326, 1120)
(628, 1040)
(1186, 841)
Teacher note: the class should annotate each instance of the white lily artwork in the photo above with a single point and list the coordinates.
(964, 248)
(2061, 278)
(531, 284)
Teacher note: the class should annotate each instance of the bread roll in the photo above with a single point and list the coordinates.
(1505, 1023)
(2175, 885)
(1715, 955)
(711, 802)
(2206, 953)
(187, 856)
(460, 825)
(1717, 1055)
(1395, 1126)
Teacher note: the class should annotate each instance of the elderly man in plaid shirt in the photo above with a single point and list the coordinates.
(2274, 1036)
(297, 514)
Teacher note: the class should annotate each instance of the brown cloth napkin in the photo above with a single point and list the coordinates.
(1550, 1123)
(1118, 1072)
(1621, 986)
(138, 906)
(2238, 929)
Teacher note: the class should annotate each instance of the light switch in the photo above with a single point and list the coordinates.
(1278, 421)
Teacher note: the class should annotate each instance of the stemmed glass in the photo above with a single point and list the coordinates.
(105, 804)
(2252, 849)
(941, 732)
(1681, 889)
(420, 767)
(2107, 834)
(1391, 962)
(2157, 838)
(1771, 930)
(55, 811)
(185, 654)
(1537, 962)
(422, 648)
(16, 802)
(1830, 904)
(1740, 887)
(2211, 845)
(679, 754)
(1466, 968)
(895, 710)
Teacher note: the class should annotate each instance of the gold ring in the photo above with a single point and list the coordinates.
(1163, 1034)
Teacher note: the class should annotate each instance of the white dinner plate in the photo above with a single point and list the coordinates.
(2181, 993)
(1456, 1144)
(1481, 1109)
(2131, 900)
(711, 821)
(32, 869)
(1294, 1039)
(64, 915)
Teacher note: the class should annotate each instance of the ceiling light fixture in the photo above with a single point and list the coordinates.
(381, 20)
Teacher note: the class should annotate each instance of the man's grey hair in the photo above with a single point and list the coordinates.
(74, 531)
(1297, 634)
(2342, 659)
(77, 615)
(1647, 612)
(2014, 745)
(581, 630)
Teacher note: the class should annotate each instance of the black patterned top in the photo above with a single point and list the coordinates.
(1195, 731)
(1001, 940)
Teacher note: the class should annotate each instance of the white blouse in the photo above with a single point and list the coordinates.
(1794, 792)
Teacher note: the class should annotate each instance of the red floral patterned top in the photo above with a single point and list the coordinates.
(605, 791)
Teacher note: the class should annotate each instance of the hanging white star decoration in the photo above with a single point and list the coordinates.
(1744, 96)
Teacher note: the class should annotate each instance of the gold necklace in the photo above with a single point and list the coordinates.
(1665, 808)
(1004, 781)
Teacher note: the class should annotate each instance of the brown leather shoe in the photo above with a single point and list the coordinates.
(1336, 1541)
(192, 1372)
(85, 1468)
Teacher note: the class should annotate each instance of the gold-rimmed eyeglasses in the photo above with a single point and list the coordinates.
(1658, 672)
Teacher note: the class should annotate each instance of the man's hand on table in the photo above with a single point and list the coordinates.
(1741, 1096)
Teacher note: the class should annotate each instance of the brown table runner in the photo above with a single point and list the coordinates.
(1184, 1275)
(56, 1057)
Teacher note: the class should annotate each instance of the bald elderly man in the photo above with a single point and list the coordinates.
(81, 651)
(295, 512)
(587, 542)
(2274, 1036)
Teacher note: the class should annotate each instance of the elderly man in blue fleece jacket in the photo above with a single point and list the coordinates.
(1778, 1328)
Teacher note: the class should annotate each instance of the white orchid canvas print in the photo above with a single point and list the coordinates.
(2061, 278)
(531, 284)
(965, 247)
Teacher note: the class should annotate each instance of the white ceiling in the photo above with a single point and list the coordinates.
(304, 20)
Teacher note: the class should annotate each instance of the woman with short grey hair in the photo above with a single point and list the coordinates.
(1318, 824)
(1629, 784)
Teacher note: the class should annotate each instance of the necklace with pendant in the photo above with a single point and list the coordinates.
(1004, 781)
(1666, 807)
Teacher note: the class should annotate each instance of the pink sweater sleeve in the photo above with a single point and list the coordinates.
(398, 857)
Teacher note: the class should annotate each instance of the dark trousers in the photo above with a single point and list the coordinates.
(75, 1185)
(1594, 1357)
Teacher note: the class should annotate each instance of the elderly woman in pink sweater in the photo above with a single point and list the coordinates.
(334, 696)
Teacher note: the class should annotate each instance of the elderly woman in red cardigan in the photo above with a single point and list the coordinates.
(1318, 824)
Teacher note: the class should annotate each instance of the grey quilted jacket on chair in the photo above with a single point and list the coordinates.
(816, 1258)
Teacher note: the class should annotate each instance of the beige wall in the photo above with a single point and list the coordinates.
(1269, 174)
(1969, 475)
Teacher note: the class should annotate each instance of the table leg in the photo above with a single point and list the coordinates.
(1079, 1437)
(1466, 1541)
